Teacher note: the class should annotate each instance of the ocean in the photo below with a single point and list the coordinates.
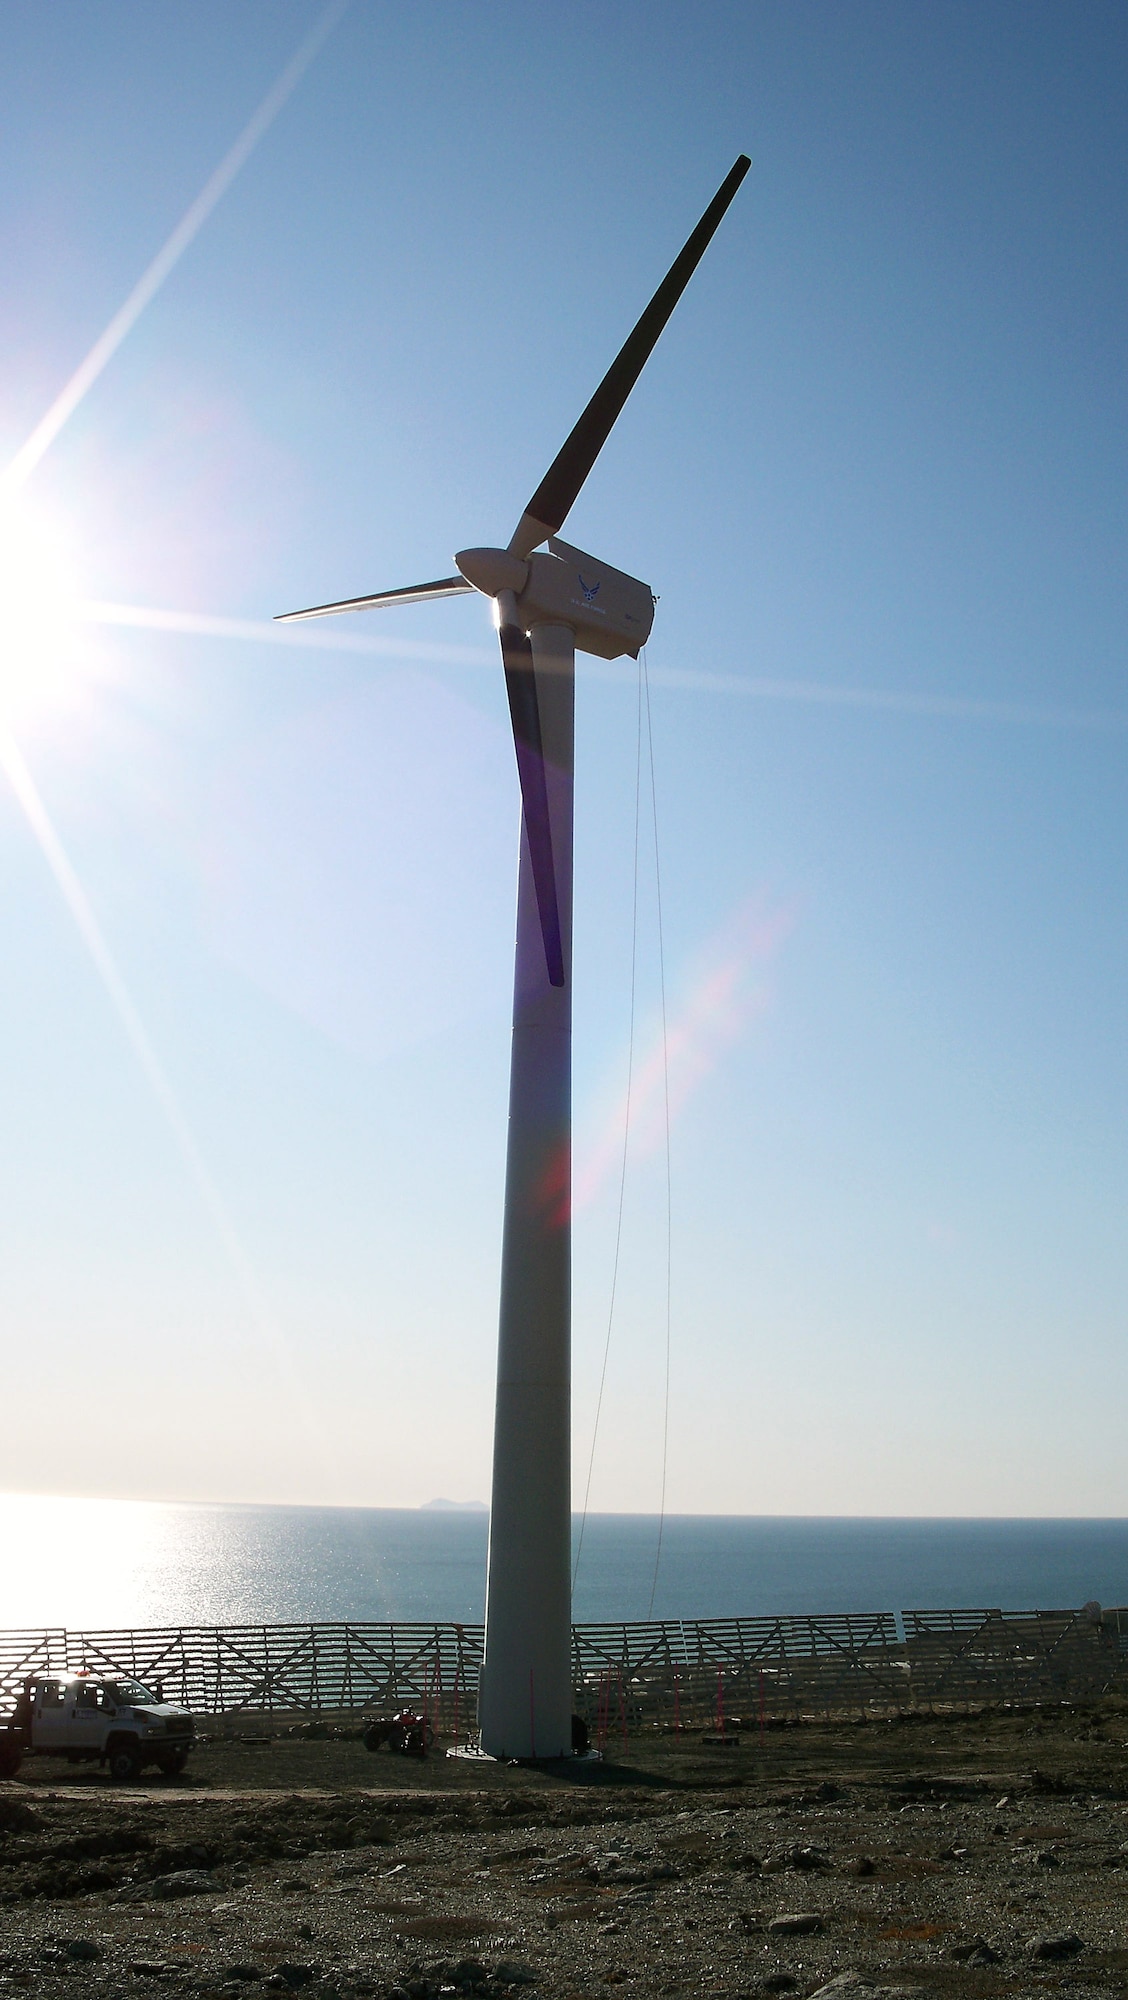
(106, 1564)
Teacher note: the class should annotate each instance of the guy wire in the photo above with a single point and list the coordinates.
(645, 681)
(626, 1129)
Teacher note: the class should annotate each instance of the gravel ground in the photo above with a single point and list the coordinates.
(931, 1859)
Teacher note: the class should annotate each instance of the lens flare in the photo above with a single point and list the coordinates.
(729, 989)
(40, 616)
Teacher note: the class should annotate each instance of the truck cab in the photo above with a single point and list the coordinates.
(85, 1717)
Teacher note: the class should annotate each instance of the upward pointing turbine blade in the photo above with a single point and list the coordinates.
(551, 503)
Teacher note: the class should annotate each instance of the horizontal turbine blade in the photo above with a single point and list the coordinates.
(416, 593)
(551, 503)
(524, 713)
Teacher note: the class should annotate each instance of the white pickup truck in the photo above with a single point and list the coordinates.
(89, 1719)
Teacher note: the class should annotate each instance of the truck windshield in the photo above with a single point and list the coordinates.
(128, 1693)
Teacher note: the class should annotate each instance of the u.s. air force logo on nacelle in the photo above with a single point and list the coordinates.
(590, 590)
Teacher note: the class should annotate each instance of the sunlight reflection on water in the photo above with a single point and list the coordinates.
(105, 1564)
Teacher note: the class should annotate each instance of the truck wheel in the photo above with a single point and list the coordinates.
(124, 1763)
(172, 1762)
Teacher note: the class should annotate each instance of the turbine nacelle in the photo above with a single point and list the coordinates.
(609, 612)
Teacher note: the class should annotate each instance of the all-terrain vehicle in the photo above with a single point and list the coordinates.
(408, 1733)
(118, 1723)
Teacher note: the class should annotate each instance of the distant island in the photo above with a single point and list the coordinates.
(455, 1506)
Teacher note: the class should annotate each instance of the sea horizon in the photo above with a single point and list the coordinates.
(441, 1504)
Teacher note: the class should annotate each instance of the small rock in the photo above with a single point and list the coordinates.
(1063, 1944)
(864, 1865)
(85, 1949)
(1048, 1859)
(799, 1924)
(845, 1983)
(242, 1971)
(185, 1882)
(779, 1982)
(296, 1975)
(512, 1972)
(977, 1951)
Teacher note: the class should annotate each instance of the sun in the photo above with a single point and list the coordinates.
(39, 612)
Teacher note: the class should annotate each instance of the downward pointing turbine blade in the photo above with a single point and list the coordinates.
(524, 711)
(415, 593)
(551, 503)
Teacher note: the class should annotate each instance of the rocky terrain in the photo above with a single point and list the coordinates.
(970, 1857)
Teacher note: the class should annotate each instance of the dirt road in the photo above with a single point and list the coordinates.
(970, 1858)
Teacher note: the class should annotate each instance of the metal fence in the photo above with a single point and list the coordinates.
(954, 1656)
(706, 1671)
(692, 1673)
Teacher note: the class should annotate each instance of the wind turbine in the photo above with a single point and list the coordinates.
(546, 606)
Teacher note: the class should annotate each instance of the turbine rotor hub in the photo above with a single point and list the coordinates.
(492, 570)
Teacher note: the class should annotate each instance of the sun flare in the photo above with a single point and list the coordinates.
(39, 613)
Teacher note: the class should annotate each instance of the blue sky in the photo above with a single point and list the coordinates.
(251, 1162)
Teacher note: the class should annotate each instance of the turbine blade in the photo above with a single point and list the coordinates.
(551, 503)
(524, 712)
(415, 593)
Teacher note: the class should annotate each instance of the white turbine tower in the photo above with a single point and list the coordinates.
(545, 607)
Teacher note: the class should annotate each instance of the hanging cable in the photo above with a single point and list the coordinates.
(645, 686)
(626, 1130)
